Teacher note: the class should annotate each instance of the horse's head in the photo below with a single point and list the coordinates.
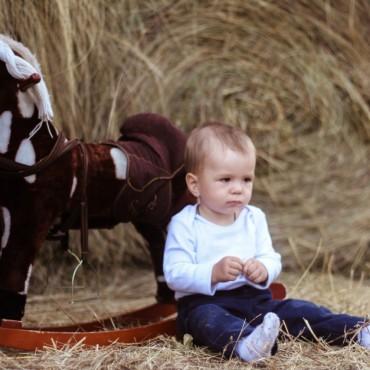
(24, 107)
(22, 87)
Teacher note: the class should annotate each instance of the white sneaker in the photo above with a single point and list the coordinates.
(364, 337)
(260, 342)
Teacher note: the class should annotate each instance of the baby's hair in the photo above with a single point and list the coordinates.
(198, 145)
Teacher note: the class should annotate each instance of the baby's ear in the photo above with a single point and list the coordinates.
(192, 184)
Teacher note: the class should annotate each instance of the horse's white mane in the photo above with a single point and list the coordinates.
(21, 67)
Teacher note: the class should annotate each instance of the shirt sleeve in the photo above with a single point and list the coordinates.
(265, 252)
(181, 270)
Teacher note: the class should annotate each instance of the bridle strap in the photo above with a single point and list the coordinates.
(83, 202)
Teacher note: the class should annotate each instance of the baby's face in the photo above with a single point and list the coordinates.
(225, 184)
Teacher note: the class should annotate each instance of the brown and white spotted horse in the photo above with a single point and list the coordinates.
(43, 176)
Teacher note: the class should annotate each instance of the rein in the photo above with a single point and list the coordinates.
(10, 168)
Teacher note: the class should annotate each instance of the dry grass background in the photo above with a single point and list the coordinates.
(294, 74)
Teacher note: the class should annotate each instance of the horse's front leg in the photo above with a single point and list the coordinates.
(20, 238)
(15, 273)
(12, 305)
(156, 237)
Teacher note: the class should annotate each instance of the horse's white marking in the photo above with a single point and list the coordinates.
(25, 104)
(26, 155)
(120, 163)
(27, 281)
(74, 185)
(5, 130)
(6, 232)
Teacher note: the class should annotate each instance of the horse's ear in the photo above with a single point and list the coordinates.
(33, 79)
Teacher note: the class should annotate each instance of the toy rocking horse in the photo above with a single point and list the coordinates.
(44, 176)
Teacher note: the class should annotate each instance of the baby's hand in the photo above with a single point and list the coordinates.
(227, 269)
(255, 271)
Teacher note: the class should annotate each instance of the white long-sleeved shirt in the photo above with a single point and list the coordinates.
(195, 244)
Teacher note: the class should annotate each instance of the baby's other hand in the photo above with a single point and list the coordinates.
(255, 271)
(227, 269)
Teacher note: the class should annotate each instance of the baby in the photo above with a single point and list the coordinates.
(220, 261)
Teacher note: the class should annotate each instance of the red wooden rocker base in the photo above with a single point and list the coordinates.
(153, 320)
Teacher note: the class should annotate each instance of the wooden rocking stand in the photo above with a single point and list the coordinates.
(153, 320)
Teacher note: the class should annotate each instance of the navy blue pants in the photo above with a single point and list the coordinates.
(219, 321)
